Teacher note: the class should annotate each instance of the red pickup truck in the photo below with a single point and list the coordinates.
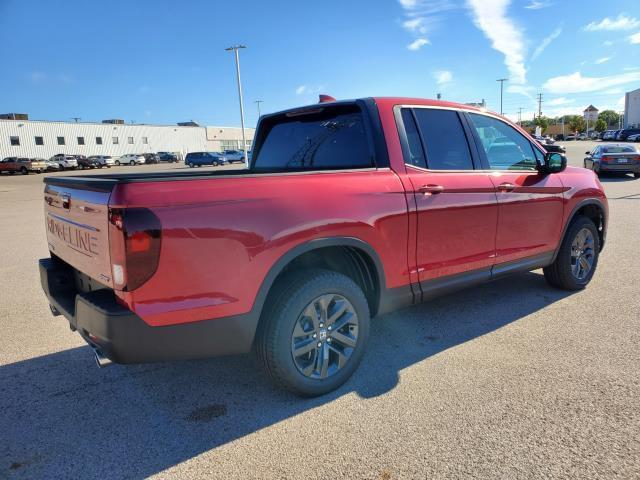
(349, 210)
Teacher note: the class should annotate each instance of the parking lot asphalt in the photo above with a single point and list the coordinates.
(509, 380)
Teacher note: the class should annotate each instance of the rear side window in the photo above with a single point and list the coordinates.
(505, 147)
(330, 138)
(618, 149)
(444, 140)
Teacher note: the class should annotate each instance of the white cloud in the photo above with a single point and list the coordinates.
(621, 23)
(602, 60)
(607, 43)
(490, 16)
(545, 43)
(635, 38)
(559, 101)
(538, 4)
(426, 7)
(415, 25)
(576, 83)
(613, 91)
(443, 76)
(308, 90)
(417, 44)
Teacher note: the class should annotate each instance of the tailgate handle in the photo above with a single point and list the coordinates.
(431, 189)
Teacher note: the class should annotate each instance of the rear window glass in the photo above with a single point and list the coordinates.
(332, 138)
(618, 149)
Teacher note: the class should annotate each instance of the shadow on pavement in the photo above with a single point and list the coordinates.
(63, 417)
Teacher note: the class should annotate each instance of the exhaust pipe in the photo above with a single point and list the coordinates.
(101, 360)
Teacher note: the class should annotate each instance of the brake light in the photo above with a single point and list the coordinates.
(604, 159)
(135, 242)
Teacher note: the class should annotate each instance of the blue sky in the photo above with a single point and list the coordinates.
(164, 61)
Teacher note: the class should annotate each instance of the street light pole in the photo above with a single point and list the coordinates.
(501, 80)
(235, 49)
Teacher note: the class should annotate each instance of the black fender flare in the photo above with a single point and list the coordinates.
(306, 247)
(572, 215)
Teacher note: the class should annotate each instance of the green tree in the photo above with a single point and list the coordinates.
(542, 122)
(610, 117)
(575, 122)
(601, 125)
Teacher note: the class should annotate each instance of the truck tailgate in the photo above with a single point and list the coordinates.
(76, 218)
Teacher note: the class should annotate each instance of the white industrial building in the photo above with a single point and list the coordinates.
(632, 109)
(43, 139)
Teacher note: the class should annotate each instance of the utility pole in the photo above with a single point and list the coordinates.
(501, 80)
(258, 102)
(520, 116)
(539, 105)
(235, 49)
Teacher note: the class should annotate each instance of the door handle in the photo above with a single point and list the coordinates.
(506, 187)
(431, 189)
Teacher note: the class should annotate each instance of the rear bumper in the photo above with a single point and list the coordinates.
(619, 167)
(123, 337)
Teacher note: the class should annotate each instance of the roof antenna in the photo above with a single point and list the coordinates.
(322, 98)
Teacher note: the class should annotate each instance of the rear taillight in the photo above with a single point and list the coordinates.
(135, 239)
(605, 159)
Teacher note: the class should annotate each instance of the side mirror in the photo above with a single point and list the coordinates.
(554, 162)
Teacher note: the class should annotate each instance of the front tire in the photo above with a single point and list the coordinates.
(636, 175)
(577, 258)
(132, 163)
(313, 332)
(117, 163)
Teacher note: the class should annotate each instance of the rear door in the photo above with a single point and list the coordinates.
(530, 204)
(456, 203)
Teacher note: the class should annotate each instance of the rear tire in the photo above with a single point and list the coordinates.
(636, 175)
(132, 163)
(330, 356)
(569, 270)
(24, 171)
(117, 163)
(190, 165)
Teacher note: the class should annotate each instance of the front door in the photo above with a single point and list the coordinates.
(530, 204)
(456, 204)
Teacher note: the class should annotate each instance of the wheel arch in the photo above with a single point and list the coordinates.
(591, 208)
(348, 255)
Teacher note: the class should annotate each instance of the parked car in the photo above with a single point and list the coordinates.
(130, 159)
(624, 134)
(569, 138)
(84, 162)
(342, 217)
(618, 158)
(198, 159)
(168, 157)
(151, 158)
(234, 156)
(582, 136)
(555, 148)
(66, 162)
(634, 138)
(608, 134)
(104, 160)
(52, 166)
(544, 140)
(22, 165)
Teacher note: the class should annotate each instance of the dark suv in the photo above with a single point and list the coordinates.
(623, 134)
(167, 157)
(198, 159)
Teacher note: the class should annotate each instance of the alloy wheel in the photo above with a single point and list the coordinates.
(324, 336)
(582, 254)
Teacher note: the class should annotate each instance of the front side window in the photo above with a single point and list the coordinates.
(444, 140)
(15, 141)
(326, 138)
(60, 140)
(505, 148)
(39, 140)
